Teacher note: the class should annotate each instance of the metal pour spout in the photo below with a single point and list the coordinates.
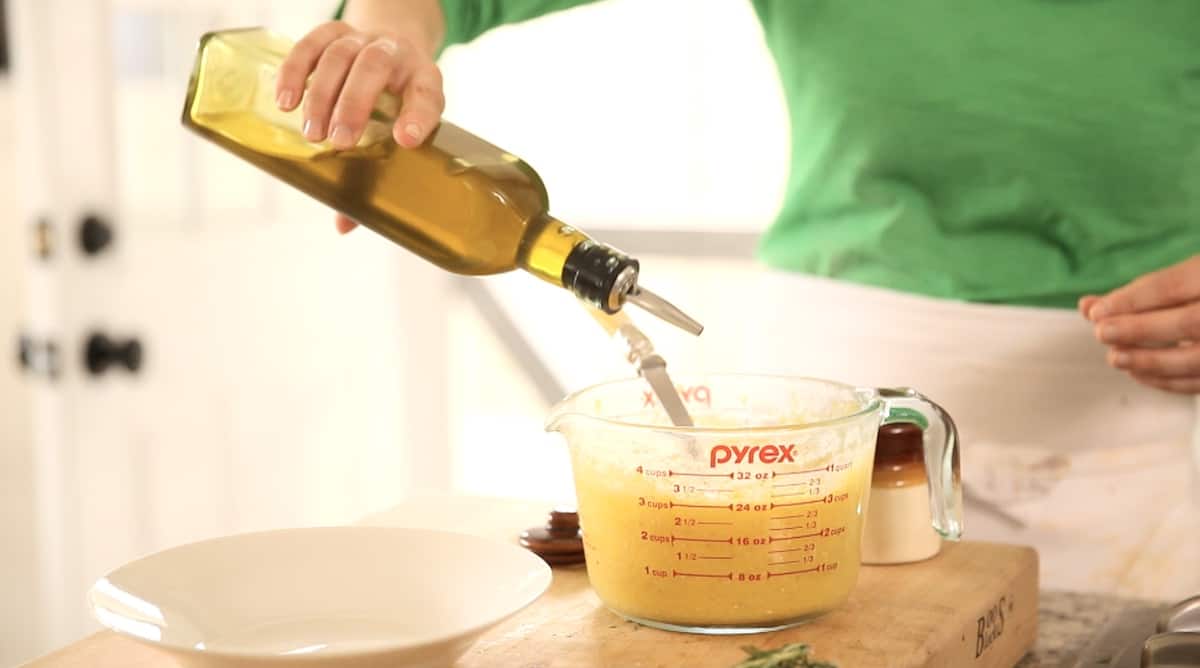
(661, 308)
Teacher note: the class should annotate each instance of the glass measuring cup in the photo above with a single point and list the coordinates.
(751, 520)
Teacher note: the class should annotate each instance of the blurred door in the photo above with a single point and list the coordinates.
(226, 362)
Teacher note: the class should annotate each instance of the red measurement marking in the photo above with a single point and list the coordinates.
(793, 561)
(720, 523)
(701, 475)
(785, 528)
(791, 517)
(701, 540)
(784, 496)
(703, 557)
(792, 484)
(828, 498)
(807, 535)
(674, 573)
(804, 472)
(806, 570)
(798, 503)
(790, 549)
(728, 506)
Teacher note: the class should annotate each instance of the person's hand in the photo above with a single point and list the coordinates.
(1152, 327)
(349, 69)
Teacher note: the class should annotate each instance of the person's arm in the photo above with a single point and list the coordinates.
(420, 21)
(464, 20)
(467, 19)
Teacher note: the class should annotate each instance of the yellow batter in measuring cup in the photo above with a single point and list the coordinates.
(751, 520)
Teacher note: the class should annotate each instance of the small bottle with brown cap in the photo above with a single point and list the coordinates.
(898, 527)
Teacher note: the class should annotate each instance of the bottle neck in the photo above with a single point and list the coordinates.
(599, 275)
(594, 272)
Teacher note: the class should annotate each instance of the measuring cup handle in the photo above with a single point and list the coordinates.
(905, 404)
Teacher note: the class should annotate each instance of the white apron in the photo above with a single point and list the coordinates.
(1101, 471)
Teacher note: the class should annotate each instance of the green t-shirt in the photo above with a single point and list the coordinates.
(1023, 152)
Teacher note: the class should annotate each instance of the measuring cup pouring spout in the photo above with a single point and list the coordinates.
(563, 417)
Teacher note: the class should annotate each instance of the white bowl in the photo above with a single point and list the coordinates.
(330, 596)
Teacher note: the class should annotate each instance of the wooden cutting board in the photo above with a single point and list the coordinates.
(972, 606)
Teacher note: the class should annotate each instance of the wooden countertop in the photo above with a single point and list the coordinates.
(603, 637)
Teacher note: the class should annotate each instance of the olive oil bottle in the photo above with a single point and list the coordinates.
(457, 201)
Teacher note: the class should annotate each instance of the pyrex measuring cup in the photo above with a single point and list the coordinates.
(751, 520)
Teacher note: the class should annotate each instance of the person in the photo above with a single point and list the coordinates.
(995, 202)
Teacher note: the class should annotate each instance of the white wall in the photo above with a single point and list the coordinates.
(639, 113)
(17, 630)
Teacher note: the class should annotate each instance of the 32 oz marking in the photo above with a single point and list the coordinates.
(748, 475)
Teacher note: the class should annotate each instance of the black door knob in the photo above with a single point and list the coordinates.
(95, 234)
(102, 352)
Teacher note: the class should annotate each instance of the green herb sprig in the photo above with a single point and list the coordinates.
(794, 655)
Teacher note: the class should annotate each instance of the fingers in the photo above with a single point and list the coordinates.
(1177, 284)
(375, 66)
(1164, 326)
(346, 71)
(1180, 385)
(1086, 303)
(326, 85)
(421, 106)
(344, 224)
(300, 62)
(1177, 362)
